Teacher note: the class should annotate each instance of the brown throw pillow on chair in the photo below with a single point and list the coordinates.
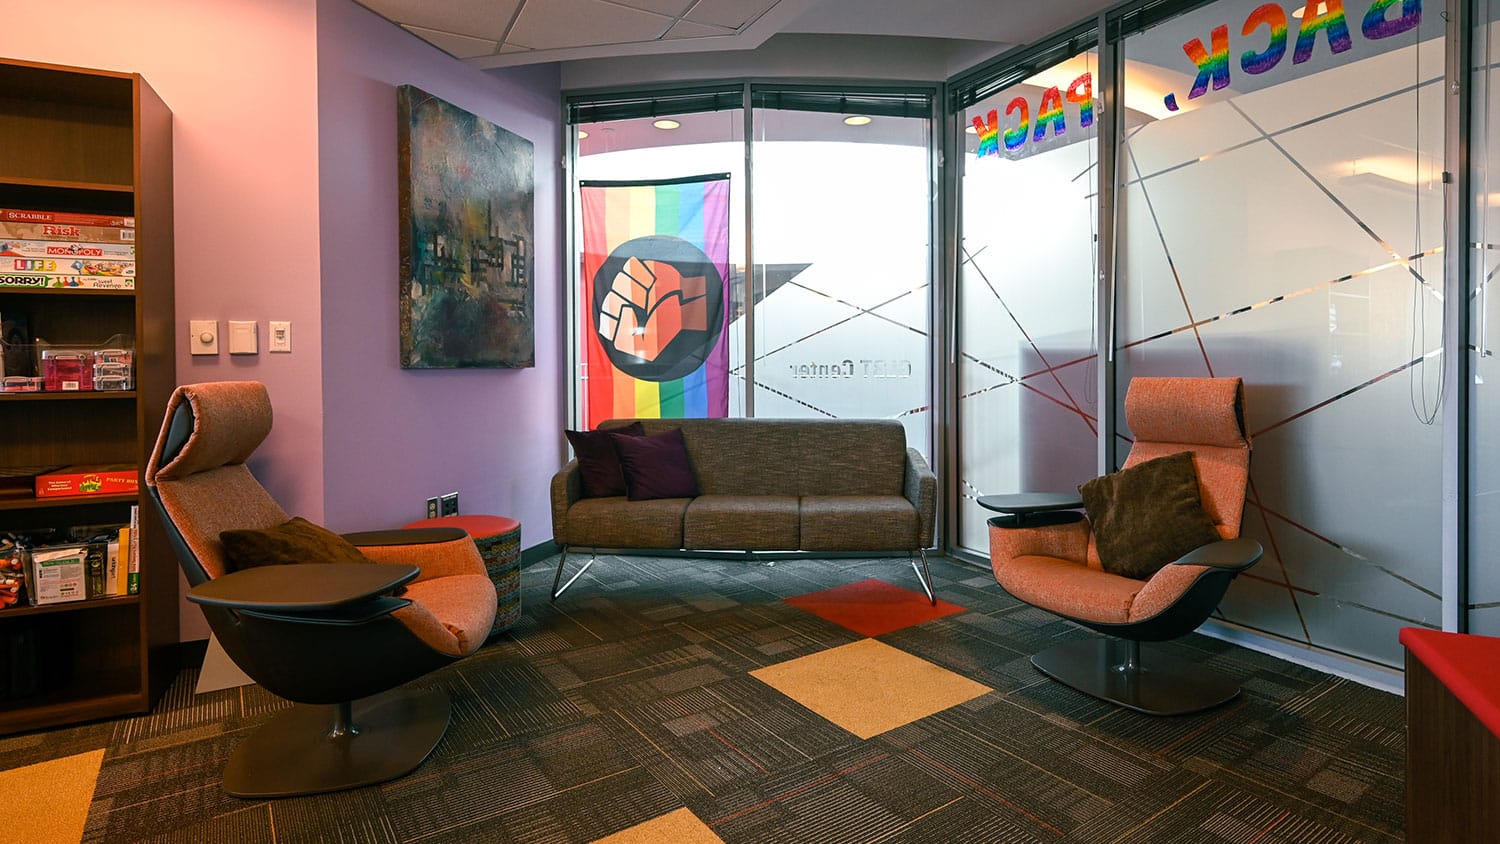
(294, 541)
(1148, 515)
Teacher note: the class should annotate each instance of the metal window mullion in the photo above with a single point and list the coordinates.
(1111, 126)
(1457, 110)
(748, 108)
(945, 346)
(572, 277)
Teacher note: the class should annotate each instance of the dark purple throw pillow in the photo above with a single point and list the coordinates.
(656, 466)
(598, 462)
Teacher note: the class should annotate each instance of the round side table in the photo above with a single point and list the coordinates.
(499, 542)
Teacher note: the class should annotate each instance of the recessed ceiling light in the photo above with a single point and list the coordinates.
(971, 130)
(666, 124)
(582, 134)
(856, 120)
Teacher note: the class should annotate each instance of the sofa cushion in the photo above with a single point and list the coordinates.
(620, 523)
(598, 463)
(748, 522)
(656, 466)
(791, 456)
(857, 522)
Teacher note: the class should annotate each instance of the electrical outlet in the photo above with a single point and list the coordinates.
(432, 508)
(450, 504)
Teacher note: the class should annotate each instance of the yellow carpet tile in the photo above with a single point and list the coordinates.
(868, 687)
(57, 804)
(679, 827)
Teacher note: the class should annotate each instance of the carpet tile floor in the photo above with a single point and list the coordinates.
(638, 707)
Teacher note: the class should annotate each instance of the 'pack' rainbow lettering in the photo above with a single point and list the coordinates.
(1081, 94)
(989, 133)
(1050, 111)
(1331, 20)
(1273, 17)
(1212, 66)
(1375, 26)
(1015, 138)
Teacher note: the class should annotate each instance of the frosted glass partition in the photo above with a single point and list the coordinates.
(843, 234)
(1281, 220)
(1484, 302)
(1028, 404)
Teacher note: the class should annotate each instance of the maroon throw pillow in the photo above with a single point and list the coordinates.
(598, 463)
(656, 466)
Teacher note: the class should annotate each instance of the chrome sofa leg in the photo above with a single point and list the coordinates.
(924, 575)
(561, 561)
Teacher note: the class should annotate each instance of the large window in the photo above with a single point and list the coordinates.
(843, 253)
(1027, 363)
(841, 185)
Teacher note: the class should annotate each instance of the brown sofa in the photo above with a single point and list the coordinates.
(766, 485)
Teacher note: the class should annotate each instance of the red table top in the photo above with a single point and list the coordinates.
(1468, 665)
(477, 526)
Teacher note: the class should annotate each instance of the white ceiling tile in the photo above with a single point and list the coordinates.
(579, 23)
(508, 47)
(731, 13)
(474, 18)
(458, 46)
(688, 29)
(670, 8)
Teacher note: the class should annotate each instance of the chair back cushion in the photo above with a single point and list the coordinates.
(1204, 416)
(205, 486)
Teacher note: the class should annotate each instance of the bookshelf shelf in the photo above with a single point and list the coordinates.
(66, 292)
(116, 395)
(72, 606)
(30, 503)
(65, 184)
(98, 143)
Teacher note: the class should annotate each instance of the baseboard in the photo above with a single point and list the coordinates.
(537, 553)
(1350, 668)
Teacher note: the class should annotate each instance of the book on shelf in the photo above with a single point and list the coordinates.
(96, 562)
(122, 560)
(133, 576)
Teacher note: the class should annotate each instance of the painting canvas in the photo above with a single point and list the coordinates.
(467, 216)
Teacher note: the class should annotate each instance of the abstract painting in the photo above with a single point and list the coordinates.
(467, 216)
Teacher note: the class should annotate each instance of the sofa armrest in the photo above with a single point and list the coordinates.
(567, 487)
(920, 488)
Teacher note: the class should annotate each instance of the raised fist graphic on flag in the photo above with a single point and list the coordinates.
(658, 307)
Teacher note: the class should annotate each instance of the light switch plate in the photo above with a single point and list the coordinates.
(281, 335)
(242, 337)
(203, 336)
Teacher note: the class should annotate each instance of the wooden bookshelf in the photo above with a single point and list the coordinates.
(91, 142)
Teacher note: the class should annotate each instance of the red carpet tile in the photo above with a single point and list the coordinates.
(872, 607)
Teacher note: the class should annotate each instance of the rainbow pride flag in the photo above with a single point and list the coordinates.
(655, 299)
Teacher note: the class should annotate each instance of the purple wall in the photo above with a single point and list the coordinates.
(394, 437)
